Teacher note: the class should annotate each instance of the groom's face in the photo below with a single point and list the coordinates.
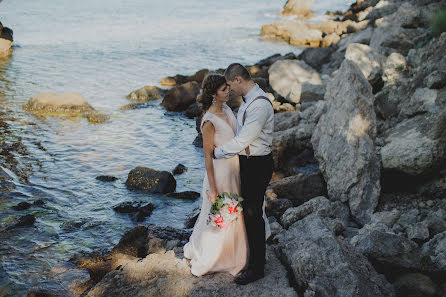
(235, 86)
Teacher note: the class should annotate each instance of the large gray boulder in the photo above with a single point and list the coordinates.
(151, 180)
(325, 266)
(398, 32)
(299, 188)
(387, 247)
(343, 142)
(180, 97)
(320, 205)
(296, 81)
(368, 60)
(417, 146)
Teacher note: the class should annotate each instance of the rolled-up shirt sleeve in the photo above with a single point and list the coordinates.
(256, 117)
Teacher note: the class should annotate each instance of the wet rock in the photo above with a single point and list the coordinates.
(40, 294)
(299, 188)
(133, 243)
(193, 110)
(198, 141)
(320, 262)
(180, 97)
(141, 211)
(39, 202)
(22, 206)
(146, 93)
(72, 225)
(148, 179)
(6, 41)
(69, 104)
(343, 141)
(192, 218)
(199, 75)
(174, 80)
(301, 8)
(106, 178)
(415, 285)
(369, 62)
(179, 169)
(188, 195)
(24, 221)
(134, 106)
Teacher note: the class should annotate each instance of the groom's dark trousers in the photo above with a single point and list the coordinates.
(255, 174)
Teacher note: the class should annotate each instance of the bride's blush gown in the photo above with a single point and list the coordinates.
(210, 248)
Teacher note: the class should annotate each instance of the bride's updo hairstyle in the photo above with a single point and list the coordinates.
(209, 87)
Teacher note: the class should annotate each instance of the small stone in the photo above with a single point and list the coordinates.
(26, 220)
(430, 203)
(22, 206)
(39, 202)
(188, 195)
(418, 232)
(106, 178)
(422, 204)
(179, 169)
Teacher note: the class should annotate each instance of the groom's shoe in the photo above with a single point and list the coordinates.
(248, 276)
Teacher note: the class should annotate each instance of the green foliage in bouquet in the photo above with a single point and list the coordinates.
(218, 203)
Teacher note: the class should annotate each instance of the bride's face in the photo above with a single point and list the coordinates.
(222, 93)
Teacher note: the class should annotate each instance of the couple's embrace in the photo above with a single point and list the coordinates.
(237, 153)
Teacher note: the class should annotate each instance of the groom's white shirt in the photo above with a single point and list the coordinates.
(257, 132)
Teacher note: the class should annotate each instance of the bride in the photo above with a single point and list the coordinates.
(210, 248)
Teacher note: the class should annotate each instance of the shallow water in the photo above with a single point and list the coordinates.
(104, 50)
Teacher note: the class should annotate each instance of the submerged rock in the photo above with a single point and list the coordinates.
(69, 104)
(106, 178)
(140, 210)
(188, 195)
(22, 206)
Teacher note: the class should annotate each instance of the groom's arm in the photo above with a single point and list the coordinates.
(255, 121)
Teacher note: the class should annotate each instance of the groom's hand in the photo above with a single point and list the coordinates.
(213, 153)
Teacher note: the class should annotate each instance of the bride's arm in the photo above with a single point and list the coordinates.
(208, 131)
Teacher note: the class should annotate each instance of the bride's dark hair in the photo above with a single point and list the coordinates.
(209, 87)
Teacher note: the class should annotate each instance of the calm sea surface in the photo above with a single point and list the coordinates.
(104, 50)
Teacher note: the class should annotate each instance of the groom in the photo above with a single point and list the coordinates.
(255, 121)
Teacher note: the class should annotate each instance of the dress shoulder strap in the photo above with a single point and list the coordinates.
(257, 98)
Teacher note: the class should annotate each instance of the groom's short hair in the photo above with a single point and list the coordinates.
(237, 69)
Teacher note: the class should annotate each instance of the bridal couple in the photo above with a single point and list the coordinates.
(237, 153)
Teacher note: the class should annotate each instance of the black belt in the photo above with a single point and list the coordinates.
(256, 157)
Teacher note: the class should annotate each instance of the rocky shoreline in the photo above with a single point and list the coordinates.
(6, 41)
(357, 203)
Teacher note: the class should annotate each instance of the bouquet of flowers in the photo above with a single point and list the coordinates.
(225, 209)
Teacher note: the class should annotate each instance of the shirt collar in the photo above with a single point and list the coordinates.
(251, 94)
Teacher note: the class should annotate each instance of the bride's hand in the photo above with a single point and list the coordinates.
(212, 195)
